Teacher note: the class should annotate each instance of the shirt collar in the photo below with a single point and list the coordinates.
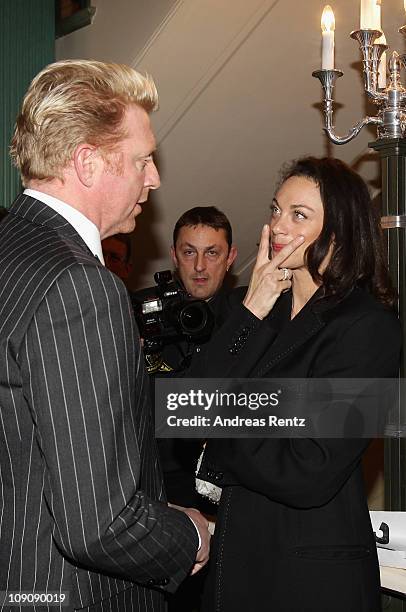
(86, 229)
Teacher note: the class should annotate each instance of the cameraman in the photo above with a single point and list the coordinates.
(202, 253)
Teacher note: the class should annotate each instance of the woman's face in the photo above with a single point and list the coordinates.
(296, 210)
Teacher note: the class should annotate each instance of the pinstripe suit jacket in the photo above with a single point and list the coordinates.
(82, 507)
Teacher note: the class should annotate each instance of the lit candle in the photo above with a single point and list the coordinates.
(382, 64)
(368, 14)
(327, 33)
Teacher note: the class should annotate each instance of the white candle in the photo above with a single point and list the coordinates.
(327, 34)
(368, 14)
(376, 25)
(382, 64)
(382, 71)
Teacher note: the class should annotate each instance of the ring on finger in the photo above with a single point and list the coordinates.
(285, 274)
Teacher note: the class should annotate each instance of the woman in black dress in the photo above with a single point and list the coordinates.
(293, 532)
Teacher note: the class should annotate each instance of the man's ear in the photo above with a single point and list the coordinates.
(173, 255)
(231, 256)
(86, 159)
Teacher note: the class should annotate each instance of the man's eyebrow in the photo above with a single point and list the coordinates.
(192, 246)
(187, 244)
(148, 152)
(145, 155)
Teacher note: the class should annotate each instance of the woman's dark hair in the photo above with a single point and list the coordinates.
(352, 225)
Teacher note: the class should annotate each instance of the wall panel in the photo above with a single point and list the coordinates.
(27, 39)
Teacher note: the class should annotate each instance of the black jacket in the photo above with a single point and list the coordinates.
(179, 455)
(293, 531)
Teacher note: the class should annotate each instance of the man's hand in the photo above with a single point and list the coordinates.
(202, 525)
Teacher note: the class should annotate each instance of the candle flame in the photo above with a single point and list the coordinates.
(328, 23)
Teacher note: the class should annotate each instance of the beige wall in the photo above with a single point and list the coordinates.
(237, 100)
(119, 31)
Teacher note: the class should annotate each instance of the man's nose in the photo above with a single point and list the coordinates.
(200, 262)
(152, 179)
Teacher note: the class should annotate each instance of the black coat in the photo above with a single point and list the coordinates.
(293, 531)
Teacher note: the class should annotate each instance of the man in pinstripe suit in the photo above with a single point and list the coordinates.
(82, 508)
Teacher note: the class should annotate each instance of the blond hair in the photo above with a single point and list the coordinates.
(72, 102)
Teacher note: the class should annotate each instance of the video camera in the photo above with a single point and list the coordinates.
(167, 314)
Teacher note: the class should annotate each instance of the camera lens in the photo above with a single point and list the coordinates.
(193, 317)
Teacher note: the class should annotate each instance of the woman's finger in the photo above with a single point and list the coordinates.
(287, 250)
(263, 249)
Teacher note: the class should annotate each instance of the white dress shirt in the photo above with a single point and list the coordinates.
(86, 229)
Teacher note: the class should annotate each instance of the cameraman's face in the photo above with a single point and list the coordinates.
(202, 258)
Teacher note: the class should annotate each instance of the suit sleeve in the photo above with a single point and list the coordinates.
(306, 473)
(86, 385)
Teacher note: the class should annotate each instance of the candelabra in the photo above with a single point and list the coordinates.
(391, 101)
(390, 120)
(391, 146)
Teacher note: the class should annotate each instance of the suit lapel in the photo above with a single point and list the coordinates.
(38, 213)
(289, 335)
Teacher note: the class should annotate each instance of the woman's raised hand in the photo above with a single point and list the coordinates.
(269, 278)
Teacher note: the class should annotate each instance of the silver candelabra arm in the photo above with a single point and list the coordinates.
(328, 79)
(354, 131)
(371, 54)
